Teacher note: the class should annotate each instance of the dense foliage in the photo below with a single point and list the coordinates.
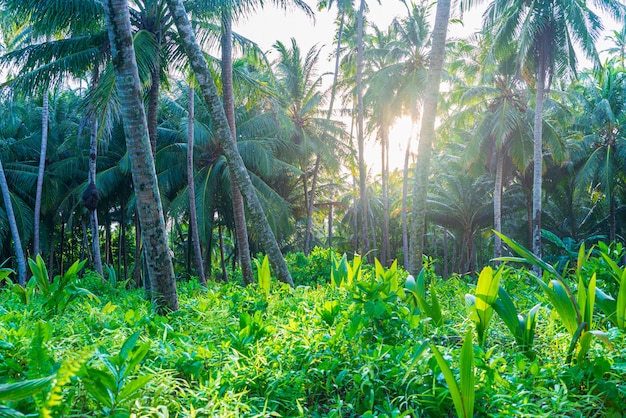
(350, 340)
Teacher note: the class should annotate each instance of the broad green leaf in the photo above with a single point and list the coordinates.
(560, 299)
(98, 391)
(506, 310)
(6, 412)
(486, 294)
(453, 387)
(467, 375)
(621, 305)
(133, 386)
(4, 273)
(135, 358)
(527, 256)
(23, 389)
(128, 346)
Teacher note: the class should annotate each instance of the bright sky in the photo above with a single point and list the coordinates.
(271, 24)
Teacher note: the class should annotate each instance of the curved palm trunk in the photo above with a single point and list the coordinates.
(239, 172)
(239, 213)
(40, 173)
(193, 215)
(17, 243)
(93, 214)
(427, 133)
(365, 244)
(538, 160)
(158, 259)
(497, 205)
(309, 217)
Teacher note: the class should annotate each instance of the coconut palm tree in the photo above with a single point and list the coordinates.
(427, 133)
(603, 148)
(17, 242)
(210, 95)
(158, 259)
(546, 32)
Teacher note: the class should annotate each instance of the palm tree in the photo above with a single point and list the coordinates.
(193, 216)
(158, 259)
(427, 133)
(209, 93)
(299, 100)
(360, 135)
(546, 33)
(503, 130)
(604, 143)
(17, 243)
(343, 7)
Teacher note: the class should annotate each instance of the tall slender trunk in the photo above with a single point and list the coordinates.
(17, 242)
(122, 243)
(333, 89)
(427, 133)
(405, 189)
(209, 92)
(330, 225)
(310, 203)
(93, 214)
(497, 204)
(239, 213)
(385, 254)
(193, 215)
(538, 160)
(153, 110)
(40, 173)
(611, 217)
(158, 259)
(222, 259)
(360, 133)
(137, 276)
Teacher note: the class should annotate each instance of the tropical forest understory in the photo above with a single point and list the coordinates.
(192, 226)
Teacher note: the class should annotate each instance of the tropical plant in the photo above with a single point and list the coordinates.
(463, 392)
(112, 386)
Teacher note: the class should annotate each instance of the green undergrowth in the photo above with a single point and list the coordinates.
(361, 341)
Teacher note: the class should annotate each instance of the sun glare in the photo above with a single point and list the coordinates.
(399, 135)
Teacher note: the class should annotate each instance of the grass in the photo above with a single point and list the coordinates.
(318, 350)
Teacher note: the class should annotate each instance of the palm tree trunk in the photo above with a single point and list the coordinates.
(359, 132)
(222, 259)
(538, 160)
(405, 189)
(153, 110)
(93, 214)
(612, 235)
(310, 203)
(427, 133)
(40, 174)
(193, 215)
(497, 204)
(138, 251)
(17, 242)
(238, 171)
(333, 89)
(239, 213)
(385, 254)
(159, 262)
